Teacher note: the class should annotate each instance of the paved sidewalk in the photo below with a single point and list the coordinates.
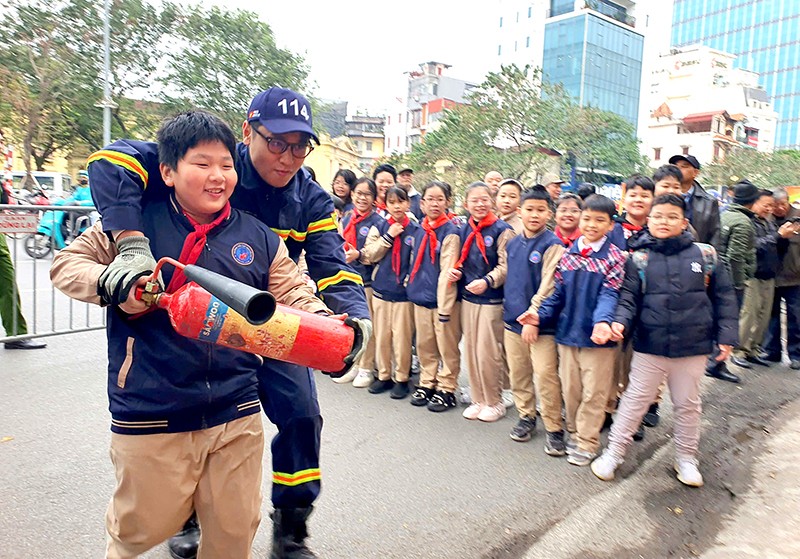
(766, 525)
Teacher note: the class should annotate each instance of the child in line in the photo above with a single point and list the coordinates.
(385, 177)
(481, 273)
(507, 202)
(186, 431)
(388, 247)
(357, 224)
(437, 246)
(533, 360)
(567, 218)
(342, 186)
(674, 325)
(587, 283)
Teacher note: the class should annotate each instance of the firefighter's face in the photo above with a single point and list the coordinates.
(277, 169)
(203, 180)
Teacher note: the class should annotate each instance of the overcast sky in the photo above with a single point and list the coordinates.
(357, 50)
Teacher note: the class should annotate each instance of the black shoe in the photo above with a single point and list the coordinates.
(769, 357)
(442, 401)
(421, 396)
(757, 360)
(184, 544)
(380, 386)
(554, 445)
(609, 421)
(795, 364)
(400, 390)
(741, 362)
(523, 430)
(722, 373)
(25, 344)
(289, 533)
(639, 434)
(651, 418)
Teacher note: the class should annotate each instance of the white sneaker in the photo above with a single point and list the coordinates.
(508, 399)
(348, 376)
(490, 414)
(472, 411)
(464, 396)
(605, 466)
(363, 379)
(688, 473)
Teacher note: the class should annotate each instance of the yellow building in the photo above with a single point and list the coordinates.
(331, 155)
(366, 133)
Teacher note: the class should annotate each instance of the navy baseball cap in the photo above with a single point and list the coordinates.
(690, 159)
(282, 111)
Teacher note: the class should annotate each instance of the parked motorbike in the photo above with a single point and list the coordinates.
(57, 228)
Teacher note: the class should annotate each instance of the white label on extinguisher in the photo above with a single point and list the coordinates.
(213, 321)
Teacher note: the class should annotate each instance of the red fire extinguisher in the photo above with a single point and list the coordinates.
(215, 309)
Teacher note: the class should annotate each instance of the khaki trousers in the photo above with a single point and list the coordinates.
(394, 328)
(483, 345)
(367, 360)
(533, 369)
(648, 372)
(161, 478)
(438, 341)
(755, 314)
(586, 375)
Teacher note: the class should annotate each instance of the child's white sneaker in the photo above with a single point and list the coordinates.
(490, 414)
(688, 472)
(363, 379)
(349, 376)
(472, 411)
(463, 395)
(605, 466)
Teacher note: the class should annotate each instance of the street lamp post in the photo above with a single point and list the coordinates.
(107, 103)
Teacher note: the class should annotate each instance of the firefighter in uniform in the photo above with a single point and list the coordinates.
(275, 188)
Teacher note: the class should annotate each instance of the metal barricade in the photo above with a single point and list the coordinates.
(29, 237)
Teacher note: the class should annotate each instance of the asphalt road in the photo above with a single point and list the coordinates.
(398, 481)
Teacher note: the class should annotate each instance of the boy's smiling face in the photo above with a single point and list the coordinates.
(203, 180)
(535, 214)
(638, 202)
(595, 225)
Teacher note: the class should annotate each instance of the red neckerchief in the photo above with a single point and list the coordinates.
(567, 240)
(349, 232)
(430, 235)
(380, 205)
(396, 246)
(474, 235)
(631, 227)
(193, 245)
(585, 252)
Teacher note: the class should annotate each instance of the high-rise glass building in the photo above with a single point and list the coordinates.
(764, 35)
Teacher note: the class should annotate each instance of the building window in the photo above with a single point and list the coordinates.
(388, 120)
(527, 42)
(685, 150)
(517, 17)
(529, 12)
(398, 141)
(499, 50)
(388, 143)
(656, 154)
(369, 146)
(515, 46)
(501, 21)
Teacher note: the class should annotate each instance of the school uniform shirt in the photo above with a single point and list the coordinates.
(494, 269)
(362, 230)
(428, 285)
(125, 175)
(389, 279)
(531, 265)
(586, 292)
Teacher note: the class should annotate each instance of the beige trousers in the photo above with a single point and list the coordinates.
(394, 327)
(755, 314)
(483, 345)
(438, 341)
(586, 375)
(162, 478)
(533, 369)
(367, 360)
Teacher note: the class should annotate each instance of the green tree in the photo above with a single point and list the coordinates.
(767, 170)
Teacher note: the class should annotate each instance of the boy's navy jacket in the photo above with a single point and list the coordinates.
(476, 268)
(677, 316)
(422, 290)
(586, 293)
(620, 235)
(365, 270)
(160, 381)
(385, 283)
(125, 175)
(525, 261)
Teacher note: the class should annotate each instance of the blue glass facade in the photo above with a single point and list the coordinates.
(765, 35)
(598, 62)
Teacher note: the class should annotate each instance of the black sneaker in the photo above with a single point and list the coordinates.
(442, 401)
(554, 445)
(608, 422)
(639, 434)
(651, 418)
(381, 386)
(421, 396)
(523, 430)
(400, 390)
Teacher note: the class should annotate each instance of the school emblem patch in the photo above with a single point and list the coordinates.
(488, 240)
(243, 254)
(535, 257)
(409, 241)
(363, 231)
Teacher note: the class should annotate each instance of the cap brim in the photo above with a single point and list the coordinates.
(405, 170)
(675, 158)
(287, 126)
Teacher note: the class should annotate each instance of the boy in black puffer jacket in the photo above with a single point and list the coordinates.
(677, 300)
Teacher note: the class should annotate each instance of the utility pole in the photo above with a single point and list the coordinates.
(107, 103)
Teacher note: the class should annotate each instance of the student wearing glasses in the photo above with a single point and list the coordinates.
(273, 186)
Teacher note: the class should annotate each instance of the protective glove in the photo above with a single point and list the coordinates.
(363, 332)
(133, 262)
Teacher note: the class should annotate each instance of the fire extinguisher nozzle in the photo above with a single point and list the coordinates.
(260, 308)
(257, 307)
